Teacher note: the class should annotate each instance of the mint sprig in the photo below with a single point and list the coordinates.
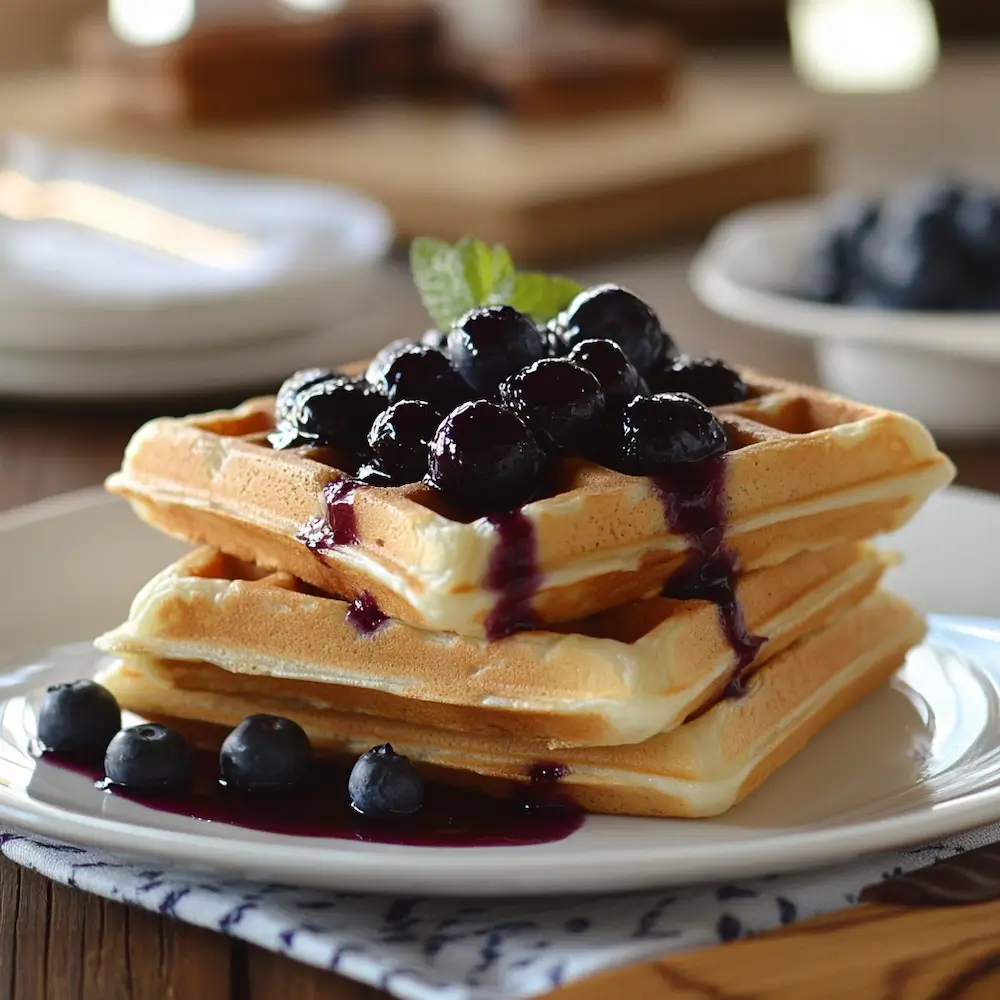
(542, 296)
(452, 279)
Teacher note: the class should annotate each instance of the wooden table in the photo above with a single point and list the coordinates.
(59, 943)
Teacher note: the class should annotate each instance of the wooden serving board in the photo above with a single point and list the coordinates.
(549, 192)
(870, 952)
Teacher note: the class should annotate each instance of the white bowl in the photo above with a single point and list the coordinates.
(943, 368)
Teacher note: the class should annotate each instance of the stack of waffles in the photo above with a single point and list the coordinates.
(668, 642)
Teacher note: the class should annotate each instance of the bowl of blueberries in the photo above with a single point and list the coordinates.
(900, 294)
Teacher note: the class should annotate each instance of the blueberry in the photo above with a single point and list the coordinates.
(438, 339)
(555, 346)
(619, 380)
(492, 343)
(983, 296)
(911, 258)
(559, 401)
(400, 439)
(266, 753)
(485, 460)
(608, 312)
(831, 265)
(710, 380)
(287, 438)
(338, 413)
(424, 373)
(977, 220)
(379, 365)
(385, 785)
(934, 196)
(371, 475)
(660, 431)
(149, 758)
(826, 270)
(78, 719)
(284, 401)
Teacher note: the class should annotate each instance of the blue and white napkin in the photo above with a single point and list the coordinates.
(420, 948)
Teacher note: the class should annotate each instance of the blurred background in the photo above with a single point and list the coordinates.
(199, 196)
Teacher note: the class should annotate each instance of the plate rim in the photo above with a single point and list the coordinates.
(69, 376)
(52, 325)
(487, 871)
(379, 868)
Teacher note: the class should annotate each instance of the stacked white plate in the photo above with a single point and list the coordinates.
(124, 277)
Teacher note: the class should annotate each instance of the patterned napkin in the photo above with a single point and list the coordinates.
(446, 949)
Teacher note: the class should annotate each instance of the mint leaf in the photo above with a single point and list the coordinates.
(542, 296)
(454, 279)
(489, 271)
(439, 274)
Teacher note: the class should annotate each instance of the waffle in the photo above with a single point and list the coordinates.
(701, 768)
(806, 470)
(620, 677)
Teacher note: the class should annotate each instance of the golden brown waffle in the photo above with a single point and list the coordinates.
(619, 677)
(807, 470)
(701, 768)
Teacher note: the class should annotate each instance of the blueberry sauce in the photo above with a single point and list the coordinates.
(694, 505)
(365, 614)
(546, 773)
(450, 817)
(513, 576)
(338, 527)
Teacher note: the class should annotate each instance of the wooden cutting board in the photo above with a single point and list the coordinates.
(871, 952)
(547, 192)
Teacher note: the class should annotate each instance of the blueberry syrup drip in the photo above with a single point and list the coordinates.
(365, 614)
(339, 526)
(542, 789)
(715, 580)
(694, 505)
(450, 817)
(512, 575)
(546, 773)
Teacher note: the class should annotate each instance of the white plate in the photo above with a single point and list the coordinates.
(943, 368)
(66, 375)
(305, 256)
(917, 761)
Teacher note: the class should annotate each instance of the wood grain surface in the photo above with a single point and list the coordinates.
(882, 952)
(59, 944)
(579, 188)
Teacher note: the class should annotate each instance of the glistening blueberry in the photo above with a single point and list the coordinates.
(710, 380)
(560, 401)
(619, 380)
(385, 785)
(484, 459)
(149, 757)
(492, 343)
(266, 753)
(400, 438)
(78, 719)
(285, 400)
(424, 373)
(338, 413)
(665, 430)
(609, 312)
